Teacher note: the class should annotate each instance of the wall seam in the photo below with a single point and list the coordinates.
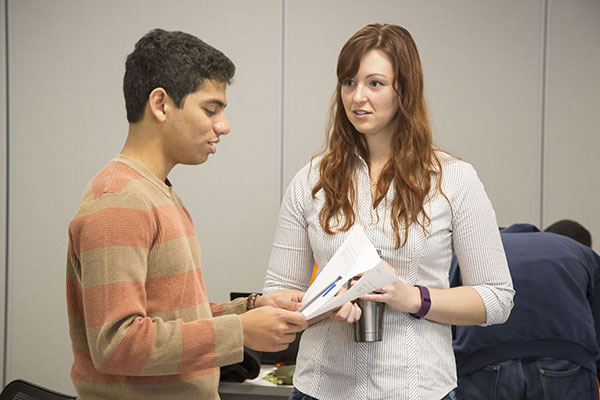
(7, 184)
(544, 81)
(282, 115)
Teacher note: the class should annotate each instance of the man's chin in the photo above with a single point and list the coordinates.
(196, 161)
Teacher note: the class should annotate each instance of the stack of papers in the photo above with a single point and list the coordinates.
(356, 255)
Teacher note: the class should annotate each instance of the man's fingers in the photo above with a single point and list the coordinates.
(295, 321)
(295, 328)
(287, 304)
(290, 337)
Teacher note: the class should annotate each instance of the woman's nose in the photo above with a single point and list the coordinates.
(359, 94)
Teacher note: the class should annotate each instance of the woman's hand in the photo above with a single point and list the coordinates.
(347, 312)
(455, 306)
(398, 296)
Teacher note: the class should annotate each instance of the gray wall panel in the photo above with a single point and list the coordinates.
(481, 61)
(572, 164)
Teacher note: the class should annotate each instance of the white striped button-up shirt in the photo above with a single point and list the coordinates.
(415, 359)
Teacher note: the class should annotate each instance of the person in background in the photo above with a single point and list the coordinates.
(140, 322)
(380, 172)
(549, 347)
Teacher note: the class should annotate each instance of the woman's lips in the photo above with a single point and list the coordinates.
(360, 114)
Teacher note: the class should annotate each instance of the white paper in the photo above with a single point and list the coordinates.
(374, 279)
(356, 255)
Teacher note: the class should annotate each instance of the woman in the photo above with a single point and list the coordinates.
(418, 205)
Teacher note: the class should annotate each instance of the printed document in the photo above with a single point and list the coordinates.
(356, 255)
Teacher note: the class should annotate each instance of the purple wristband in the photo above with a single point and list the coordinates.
(425, 302)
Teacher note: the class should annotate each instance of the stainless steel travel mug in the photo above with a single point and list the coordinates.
(369, 328)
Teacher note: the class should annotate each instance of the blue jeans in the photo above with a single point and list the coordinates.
(298, 395)
(542, 378)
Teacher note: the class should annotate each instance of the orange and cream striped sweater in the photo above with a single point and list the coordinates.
(140, 322)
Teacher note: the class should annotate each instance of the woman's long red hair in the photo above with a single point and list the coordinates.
(414, 164)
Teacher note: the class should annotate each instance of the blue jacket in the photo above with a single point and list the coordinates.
(556, 306)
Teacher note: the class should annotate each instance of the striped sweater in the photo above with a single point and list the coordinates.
(140, 322)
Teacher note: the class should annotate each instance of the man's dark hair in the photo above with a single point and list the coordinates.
(175, 61)
(572, 229)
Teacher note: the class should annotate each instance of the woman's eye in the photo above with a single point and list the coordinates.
(349, 82)
(376, 83)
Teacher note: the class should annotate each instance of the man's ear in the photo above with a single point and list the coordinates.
(158, 104)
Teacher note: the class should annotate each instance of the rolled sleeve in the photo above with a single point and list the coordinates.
(479, 249)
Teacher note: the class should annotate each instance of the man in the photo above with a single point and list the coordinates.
(548, 348)
(140, 323)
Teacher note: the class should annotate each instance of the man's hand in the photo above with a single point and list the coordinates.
(271, 329)
(286, 299)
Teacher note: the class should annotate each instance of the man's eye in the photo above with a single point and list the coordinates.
(210, 112)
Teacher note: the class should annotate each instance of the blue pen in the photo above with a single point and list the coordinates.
(330, 287)
(321, 293)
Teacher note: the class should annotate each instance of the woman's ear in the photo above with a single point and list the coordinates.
(157, 103)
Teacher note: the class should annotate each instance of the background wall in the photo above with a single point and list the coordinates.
(512, 87)
(571, 173)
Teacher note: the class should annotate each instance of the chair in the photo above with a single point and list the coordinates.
(23, 390)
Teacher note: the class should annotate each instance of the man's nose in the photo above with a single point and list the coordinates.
(222, 127)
